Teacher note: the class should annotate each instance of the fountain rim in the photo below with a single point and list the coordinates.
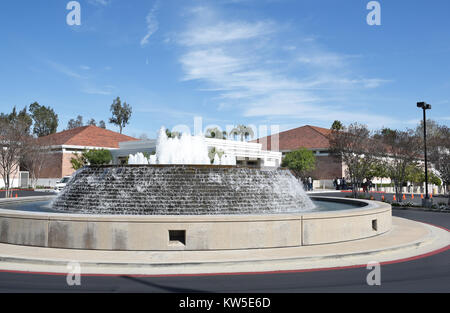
(369, 207)
(201, 233)
(200, 166)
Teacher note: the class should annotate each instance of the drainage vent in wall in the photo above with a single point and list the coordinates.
(374, 225)
(177, 236)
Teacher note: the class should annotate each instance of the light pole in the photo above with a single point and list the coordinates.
(425, 106)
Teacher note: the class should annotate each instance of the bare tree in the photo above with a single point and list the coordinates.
(439, 145)
(13, 135)
(402, 149)
(34, 158)
(355, 147)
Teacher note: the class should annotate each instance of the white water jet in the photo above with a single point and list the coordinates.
(137, 159)
(187, 149)
(217, 160)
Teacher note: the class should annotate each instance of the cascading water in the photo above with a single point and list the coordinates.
(182, 190)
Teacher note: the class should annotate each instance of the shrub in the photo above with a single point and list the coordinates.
(98, 157)
(92, 157)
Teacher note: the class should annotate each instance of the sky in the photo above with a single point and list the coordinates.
(229, 62)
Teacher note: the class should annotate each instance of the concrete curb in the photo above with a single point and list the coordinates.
(433, 239)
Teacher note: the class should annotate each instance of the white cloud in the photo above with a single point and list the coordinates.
(225, 32)
(65, 70)
(86, 83)
(300, 107)
(152, 24)
(209, 64)
(324, 60)
(249, 68)
(92, 90)
(100, 2)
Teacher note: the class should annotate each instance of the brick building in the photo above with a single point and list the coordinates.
(66, 144)
(312, 138)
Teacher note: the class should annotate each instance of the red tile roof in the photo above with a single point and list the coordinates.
(87, 136)
(310, 137)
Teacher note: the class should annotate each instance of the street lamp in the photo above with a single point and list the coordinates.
(425, 106)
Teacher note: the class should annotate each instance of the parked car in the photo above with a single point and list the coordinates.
(60, 185)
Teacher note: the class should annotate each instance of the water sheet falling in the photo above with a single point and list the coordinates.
(182, 190)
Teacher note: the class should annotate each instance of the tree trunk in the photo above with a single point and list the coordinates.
(448, 193)
(6, 181)
(398, 192)
(355, 188)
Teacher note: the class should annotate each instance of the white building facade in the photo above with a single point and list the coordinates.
(246, 153)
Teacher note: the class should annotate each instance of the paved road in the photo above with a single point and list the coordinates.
(430, 274)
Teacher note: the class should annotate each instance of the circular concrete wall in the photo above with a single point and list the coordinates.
(215, 232)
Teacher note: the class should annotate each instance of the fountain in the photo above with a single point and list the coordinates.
(177, 200)
(168, 188)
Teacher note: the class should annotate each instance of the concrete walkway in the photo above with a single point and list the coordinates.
(406, 240)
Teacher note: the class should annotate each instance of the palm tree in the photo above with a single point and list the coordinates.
(214, 133)
(243, 131)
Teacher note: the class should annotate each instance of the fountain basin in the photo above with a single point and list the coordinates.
(193, 232)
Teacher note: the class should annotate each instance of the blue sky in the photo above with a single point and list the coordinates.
(258, 62)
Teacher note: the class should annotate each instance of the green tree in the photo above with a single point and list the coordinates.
(415, 174)
(22, 117)
(102, 124)
(78, 161)
(92, 122)
(121, 114)
(356, 148)
(45, 120)
(403, 148)
(75, 123)
(379, 170)
(337, 125)
(300, 162)
(434, 179)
